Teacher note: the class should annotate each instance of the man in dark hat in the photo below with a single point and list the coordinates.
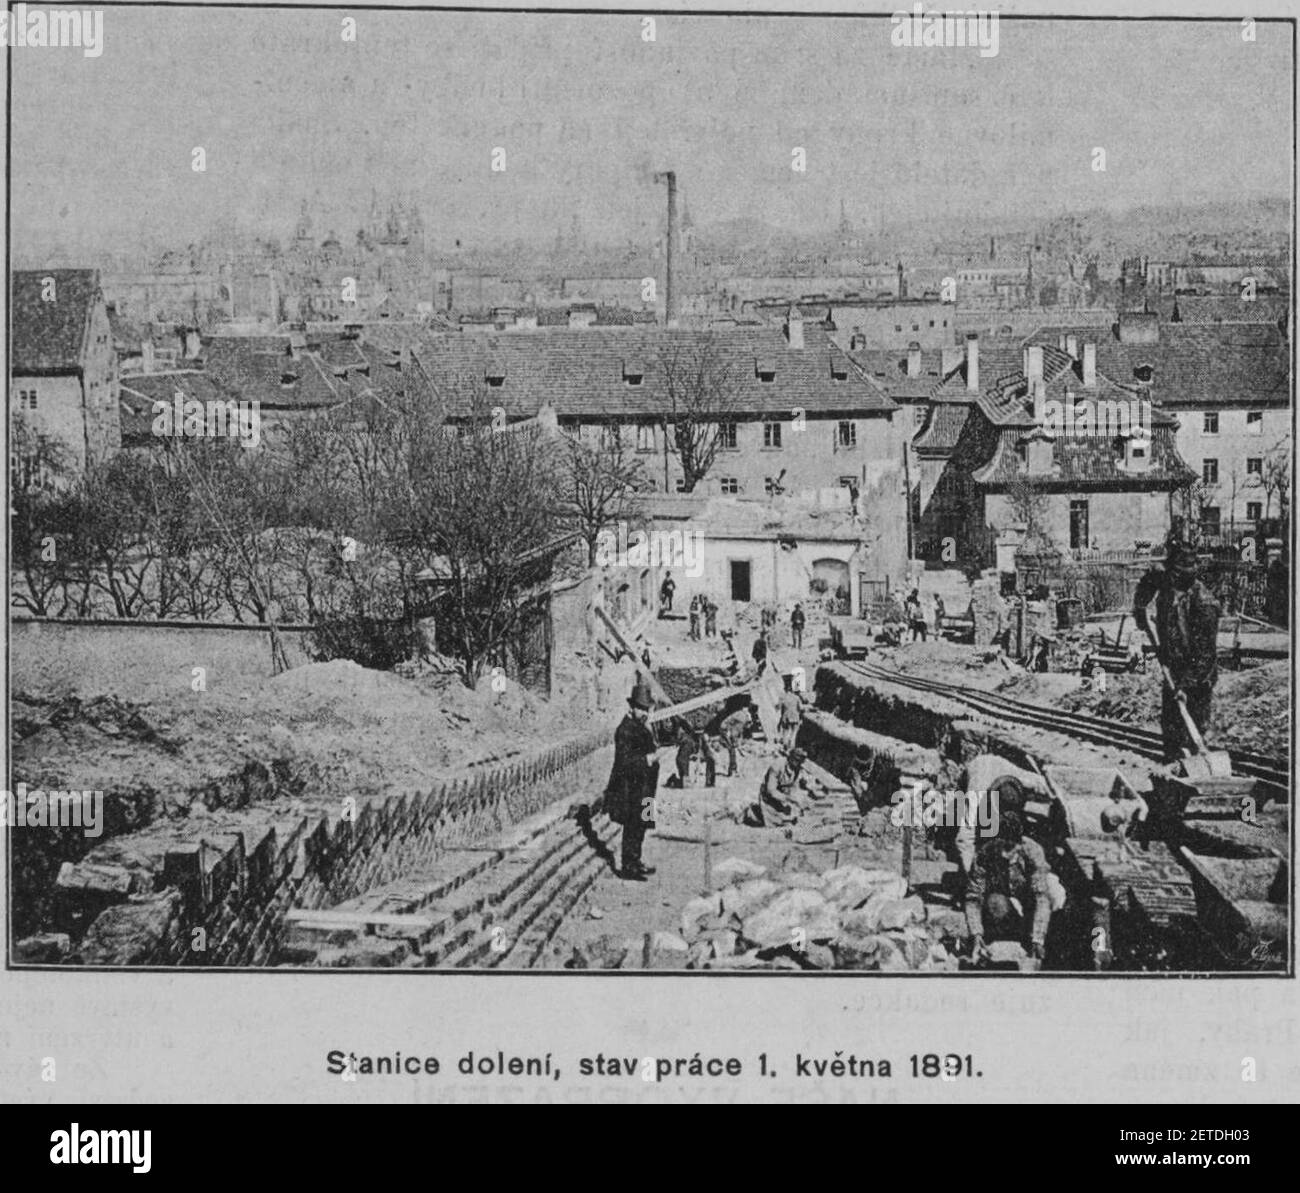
(779, 801)
(1187, 625)
(630, 795)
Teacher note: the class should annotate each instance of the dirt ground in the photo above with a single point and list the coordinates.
(126, 725)
(1251, 709)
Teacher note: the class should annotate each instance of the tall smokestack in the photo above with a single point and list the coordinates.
(674, 246)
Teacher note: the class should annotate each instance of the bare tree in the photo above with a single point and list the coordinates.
(701, 395)
(472, 510)
(1029, 507)
(1275, 478)
(599, 487)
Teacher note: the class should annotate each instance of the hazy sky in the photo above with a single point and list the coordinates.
(584, 108)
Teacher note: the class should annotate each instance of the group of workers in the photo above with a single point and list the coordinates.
(1008, 888)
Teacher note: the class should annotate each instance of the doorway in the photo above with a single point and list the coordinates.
(740, 580)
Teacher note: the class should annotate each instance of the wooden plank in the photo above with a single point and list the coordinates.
(711, 697)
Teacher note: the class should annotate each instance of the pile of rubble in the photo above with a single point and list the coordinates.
(792, 918)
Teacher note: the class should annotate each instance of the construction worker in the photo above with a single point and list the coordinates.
(695, 618)
(710, 619)
(860, 777)
(666, 590)
(732, 731)
(1187, 626)
(798, 619)
(779, 800)
(760, 652)
(791, 710)
(915, 615)
(689, 744)
(633, 782)
(1008, 896)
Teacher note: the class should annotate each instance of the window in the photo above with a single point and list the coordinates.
(645, 437)
(1210, 422)
(918, 416)
(26, 399)
(931, 322)
(680, 487)
(611, 436)
(727, 436)
(1254, 422)
(846, 434)
(729, 485)
(898, 327)
(772, 434)
(1254, 511)
(1210, 472)
(1254, 466)
(770, 486)
(848, 482)
(1078, 524)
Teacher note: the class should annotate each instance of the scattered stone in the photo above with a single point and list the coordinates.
(801, 915)
(898, 913)
(45, 948)
(595, 913)
(869, 952)
(133, 933)
(668, 942)
(736, 870)
(749, 896)
(605, 952)
(1006, 952)
(697, 911)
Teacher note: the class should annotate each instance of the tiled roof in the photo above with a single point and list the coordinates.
(1217, 308)
(139, 393)
(48, 336)
(943, 428)
(1197, 365)
(273, 378)
(1080, 463)
(581, 374)
(888, 369)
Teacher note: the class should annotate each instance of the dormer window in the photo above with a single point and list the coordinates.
(633, 372)
(1144, 372)
(765, 368)
(287, 379)
(839, 369)
(495, 375)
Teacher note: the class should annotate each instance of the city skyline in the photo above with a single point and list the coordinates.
(419, 102)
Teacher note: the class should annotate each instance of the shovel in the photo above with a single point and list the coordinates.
(1201, 762)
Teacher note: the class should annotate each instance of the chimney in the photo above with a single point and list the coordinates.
(973, 363)
(1060, 341)
(1033, 364)
(794, 327)
(902, 282)
(1072, 346)
(1090, 366)
(914, 359)
(674, 244)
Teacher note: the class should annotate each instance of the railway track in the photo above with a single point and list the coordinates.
(1098, 730)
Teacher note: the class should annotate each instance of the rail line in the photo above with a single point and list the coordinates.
(1079, 725)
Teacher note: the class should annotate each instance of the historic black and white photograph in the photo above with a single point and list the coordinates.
(738, 494)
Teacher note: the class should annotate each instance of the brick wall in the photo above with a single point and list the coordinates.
(222, 900)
